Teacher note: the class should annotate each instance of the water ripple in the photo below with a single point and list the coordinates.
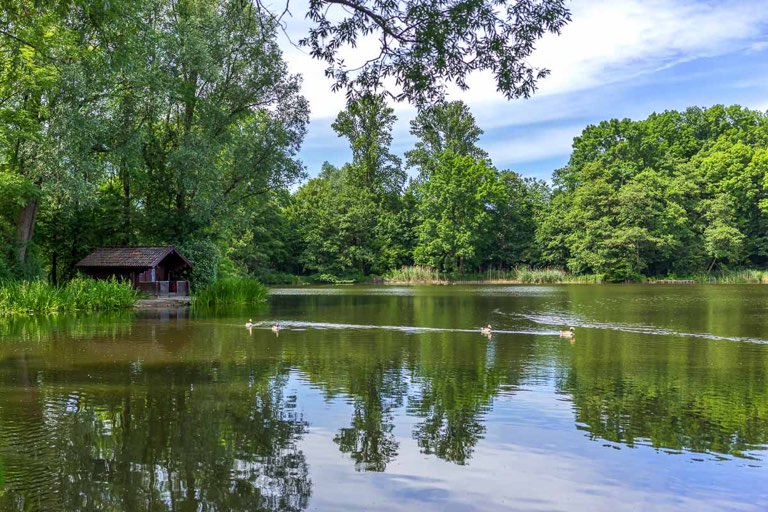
(564, 319)
(301, 325)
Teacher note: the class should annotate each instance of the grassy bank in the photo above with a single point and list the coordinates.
(744, 276)
(80, 294)
(521, 275)
(230, 291)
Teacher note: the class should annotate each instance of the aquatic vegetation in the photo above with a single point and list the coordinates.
(79, 294)
(231, 291)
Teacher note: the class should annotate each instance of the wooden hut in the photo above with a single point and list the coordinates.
(154, 270)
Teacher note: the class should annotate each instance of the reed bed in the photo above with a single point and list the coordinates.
(80, 294)
(744, 276)
(426, 275)
(231, 291)
(554, 276)
(415, 274)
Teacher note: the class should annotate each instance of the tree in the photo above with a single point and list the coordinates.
(38, 44)
(336, 220)
(351, 219)
(226, 117)
(722, 240)
(674, 193)
(444, 127)
(161, 116)
(367, 124)
(512, 237)
(423, 46)
(454, 206)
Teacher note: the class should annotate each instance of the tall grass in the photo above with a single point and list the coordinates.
(554, 275)
(744, 276)
(522, 274)
(80, 294)
(415, 274)
(231, 291)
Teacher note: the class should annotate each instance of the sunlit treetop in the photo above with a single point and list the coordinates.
(426, 44)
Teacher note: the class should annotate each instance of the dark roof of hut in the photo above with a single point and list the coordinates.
(130, 257)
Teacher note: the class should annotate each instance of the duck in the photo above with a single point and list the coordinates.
(249, 324)
(486, 330)
(568, 334)
(275, 328)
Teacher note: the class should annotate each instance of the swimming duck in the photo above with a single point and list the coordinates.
(568, 334)
(275, 328)
(486, 330)
(249, 324)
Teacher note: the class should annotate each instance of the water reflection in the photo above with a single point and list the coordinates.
(167, 411)
(702, 397)
(153, 434)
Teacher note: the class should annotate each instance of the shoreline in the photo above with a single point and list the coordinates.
(163, 302)
(575, 282)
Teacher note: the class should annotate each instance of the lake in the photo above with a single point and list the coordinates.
(390, 398)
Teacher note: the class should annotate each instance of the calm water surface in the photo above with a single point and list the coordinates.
(389, 398)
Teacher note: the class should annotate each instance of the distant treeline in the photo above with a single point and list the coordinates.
(177, 123)
(676, 194)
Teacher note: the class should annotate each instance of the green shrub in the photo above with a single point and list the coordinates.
(230, 291)
(205, 256)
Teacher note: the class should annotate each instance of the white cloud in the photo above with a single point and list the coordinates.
(611, 41)
(619, 42)
(607, 41)
(546, 142)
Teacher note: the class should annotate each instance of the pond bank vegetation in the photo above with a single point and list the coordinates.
(525, 275)
(417, 274)
(79, 294)
(230, 291)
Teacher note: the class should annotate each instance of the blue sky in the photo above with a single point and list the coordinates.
(617, 58)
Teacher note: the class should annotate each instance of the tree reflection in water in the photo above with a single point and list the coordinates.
(370, 441)
(157, 437)
(623, 392)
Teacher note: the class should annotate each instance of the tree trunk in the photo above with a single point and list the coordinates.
(25, 228)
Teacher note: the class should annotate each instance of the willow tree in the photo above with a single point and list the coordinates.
(37, 43)
(173, 113)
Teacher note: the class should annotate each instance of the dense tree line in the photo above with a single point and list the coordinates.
(138, 122)
(176, 122)
(675, 194)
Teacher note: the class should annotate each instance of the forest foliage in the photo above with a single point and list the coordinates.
(158, 122)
